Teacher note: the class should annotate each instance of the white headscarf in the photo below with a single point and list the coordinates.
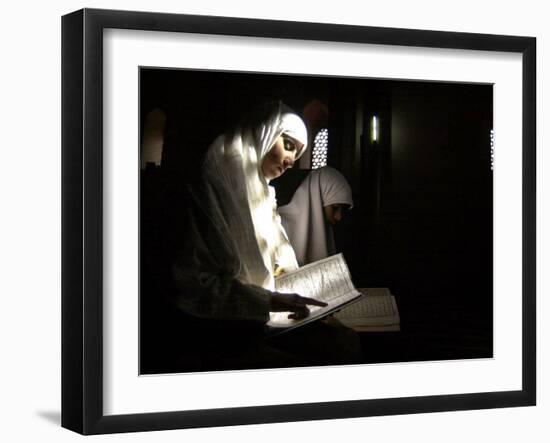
(303, 218)
(242, 204)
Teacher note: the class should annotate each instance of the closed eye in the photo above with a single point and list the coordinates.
(289, 144)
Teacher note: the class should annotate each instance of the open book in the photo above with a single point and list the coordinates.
(376, 312)
(327, 280)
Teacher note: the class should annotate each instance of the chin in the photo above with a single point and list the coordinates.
(275, 174)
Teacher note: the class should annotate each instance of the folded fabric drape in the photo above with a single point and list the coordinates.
(303, 218)
(235, 229)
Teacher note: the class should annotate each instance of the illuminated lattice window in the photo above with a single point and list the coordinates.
(492, 135)
(320, 147)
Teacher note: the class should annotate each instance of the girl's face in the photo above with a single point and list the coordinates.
(334, 213)
(280, 157)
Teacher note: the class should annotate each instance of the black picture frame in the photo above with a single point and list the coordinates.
(82, 218)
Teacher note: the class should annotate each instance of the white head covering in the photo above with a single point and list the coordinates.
(242, 202)
(310, 235)
(282, 121)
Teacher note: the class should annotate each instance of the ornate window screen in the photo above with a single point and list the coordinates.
(320, 148)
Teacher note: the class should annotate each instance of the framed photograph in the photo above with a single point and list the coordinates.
(268, 221)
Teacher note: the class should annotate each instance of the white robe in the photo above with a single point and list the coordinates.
(236, 231)
(310, 235)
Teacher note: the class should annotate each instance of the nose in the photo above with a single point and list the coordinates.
(288, 162)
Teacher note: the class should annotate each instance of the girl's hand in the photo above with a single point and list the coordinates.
(294, 303)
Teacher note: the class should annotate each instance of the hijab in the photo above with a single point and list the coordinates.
(310, 235)
(249, 240)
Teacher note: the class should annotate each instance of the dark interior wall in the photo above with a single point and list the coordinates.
(431, 239)
(423, 215)
(438, 209)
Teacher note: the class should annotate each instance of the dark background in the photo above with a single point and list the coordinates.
(422, 218)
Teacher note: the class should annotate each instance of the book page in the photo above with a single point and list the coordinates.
(371, 310)
(327, 280)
